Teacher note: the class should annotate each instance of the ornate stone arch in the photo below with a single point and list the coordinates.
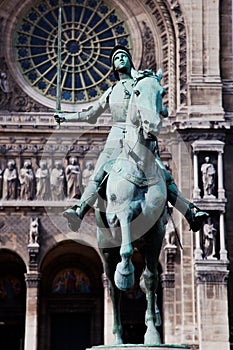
(169, 20)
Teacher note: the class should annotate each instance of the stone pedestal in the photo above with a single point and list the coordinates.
(212, 312)
(139, 347)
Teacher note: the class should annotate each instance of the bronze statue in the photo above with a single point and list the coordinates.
(131, 200)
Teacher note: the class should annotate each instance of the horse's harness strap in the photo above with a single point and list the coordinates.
(138, 181)
(133, 155)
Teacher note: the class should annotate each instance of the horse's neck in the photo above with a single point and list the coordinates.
(139, 149)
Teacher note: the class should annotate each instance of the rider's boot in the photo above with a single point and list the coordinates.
(76, 213)
(193, 214)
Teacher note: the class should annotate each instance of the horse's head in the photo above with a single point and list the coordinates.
(147, 108)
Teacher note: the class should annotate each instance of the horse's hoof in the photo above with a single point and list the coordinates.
(122, 280)
(152, 337)
(118, 341)
(74, 220)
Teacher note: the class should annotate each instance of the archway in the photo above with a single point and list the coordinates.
(12, 300)
(71, 302)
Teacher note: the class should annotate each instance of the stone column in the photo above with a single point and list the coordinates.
(31, 323)
(223, 251)
(197, 191)
(221, 191)
(212, 310)
(108, 313)
(169, 296)
(198, 253)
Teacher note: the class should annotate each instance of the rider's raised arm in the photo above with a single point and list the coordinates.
(90, 115)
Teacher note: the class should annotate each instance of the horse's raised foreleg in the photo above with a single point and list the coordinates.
(124, 275)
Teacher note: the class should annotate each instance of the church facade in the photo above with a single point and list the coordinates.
(53, 290)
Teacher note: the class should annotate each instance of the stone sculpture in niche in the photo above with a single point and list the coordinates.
(27, 181)
(87, 172)
(209, 240)
(57, 179)
(42, 182)
(34, 232)
(208, 178)
(10, 181)
(73, 178)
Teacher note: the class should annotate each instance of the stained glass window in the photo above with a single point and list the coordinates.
(90, 29)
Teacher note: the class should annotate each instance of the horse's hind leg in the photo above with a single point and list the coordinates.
(111, 257)
(149, 283)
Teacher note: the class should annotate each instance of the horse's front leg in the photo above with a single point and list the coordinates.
(124, 275)
(110, 262)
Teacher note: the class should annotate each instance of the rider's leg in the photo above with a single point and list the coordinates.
(176, 198)
(75, 214)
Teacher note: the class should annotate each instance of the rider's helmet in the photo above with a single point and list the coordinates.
(116, 50)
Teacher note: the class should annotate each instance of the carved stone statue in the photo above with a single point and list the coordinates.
(4, 85)
(27, 181)
(34, 232)
(10, 181)
(42, 182)
(57, 181)
(208, 177)
(209, 238)
(87, 172)
(170, 235)
(73, 178)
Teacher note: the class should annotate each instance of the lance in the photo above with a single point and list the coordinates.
(58, 94)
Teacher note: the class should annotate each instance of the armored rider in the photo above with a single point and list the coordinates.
(117, 98)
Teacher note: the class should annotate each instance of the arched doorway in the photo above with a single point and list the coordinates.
(12, 301)
(71, 302)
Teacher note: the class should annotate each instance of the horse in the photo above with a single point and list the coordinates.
(133, 214)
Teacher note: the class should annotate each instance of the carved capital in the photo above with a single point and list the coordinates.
(32, 279)
(168, 280)
(105, 280)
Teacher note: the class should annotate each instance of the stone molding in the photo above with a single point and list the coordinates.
(168, 280)
(32, 279)
(211, 272)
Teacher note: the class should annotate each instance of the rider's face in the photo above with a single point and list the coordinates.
(121, 61)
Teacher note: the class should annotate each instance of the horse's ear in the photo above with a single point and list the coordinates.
(159, 74)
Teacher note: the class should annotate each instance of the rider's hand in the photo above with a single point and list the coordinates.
(59, 117)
